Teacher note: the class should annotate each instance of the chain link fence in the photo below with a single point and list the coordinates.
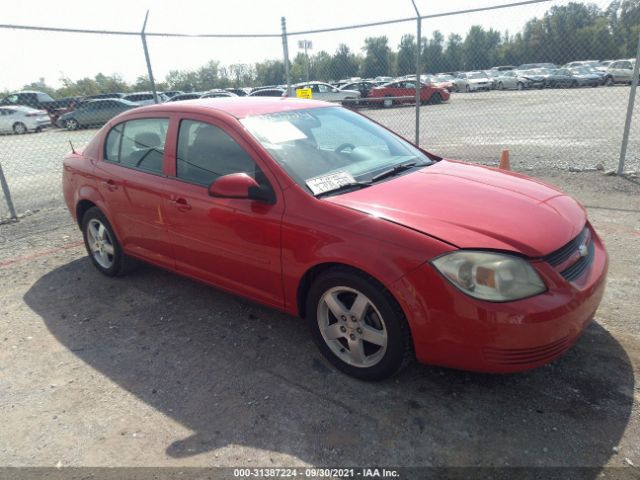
(546, 93)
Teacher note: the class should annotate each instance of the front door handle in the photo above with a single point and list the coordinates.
(181, 204)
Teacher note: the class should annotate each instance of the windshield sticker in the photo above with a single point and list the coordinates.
(275, 132)
(330, 181)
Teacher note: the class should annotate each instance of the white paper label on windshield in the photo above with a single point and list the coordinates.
(275, 132)
(330, 181)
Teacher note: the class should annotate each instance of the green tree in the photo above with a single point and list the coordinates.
(344, 63)
(406, 57)
(377, 59)
(453, 57)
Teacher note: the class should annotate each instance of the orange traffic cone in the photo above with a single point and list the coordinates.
(504, 160)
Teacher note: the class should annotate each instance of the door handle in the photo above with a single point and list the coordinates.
(181, 204)
(110, 184)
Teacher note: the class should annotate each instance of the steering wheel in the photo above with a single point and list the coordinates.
(342, 146)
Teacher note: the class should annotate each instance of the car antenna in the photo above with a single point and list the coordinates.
(73, 150)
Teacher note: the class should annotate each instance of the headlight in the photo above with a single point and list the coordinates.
(490, 276)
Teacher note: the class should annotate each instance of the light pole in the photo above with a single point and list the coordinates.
(418, 84)
(306, 45)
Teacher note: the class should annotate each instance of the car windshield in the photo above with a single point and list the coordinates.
(476, 75)
(324, 148)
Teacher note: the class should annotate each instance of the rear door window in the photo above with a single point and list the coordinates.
(138, 144)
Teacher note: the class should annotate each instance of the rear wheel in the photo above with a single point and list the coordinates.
(387, 102)
(608, 82)
(467, 88)
(19, 128)
(357, 325)
(102, 245)
(435, 99)
(520, 86)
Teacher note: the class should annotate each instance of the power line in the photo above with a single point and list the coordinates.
(268, 35)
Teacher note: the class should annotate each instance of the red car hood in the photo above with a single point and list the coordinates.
(471, 206)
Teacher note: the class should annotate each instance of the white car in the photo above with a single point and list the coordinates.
(20, 119)
(472, 82)
(326, 92)
(145, 98)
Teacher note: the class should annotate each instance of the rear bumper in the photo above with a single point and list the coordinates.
(452, 329)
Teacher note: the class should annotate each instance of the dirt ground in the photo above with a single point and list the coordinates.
(154, 369)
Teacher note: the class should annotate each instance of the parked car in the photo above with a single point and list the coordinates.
(94, 113)
(444, 81)
(102, 96)
(20, 119)
(327, 92)
(240, 92)
(529, 66)
(268, 92)
(534, 77)
(36, 100)
(186, 96)
(472, 82)
(362, 86)
(573, 77)
(218, 93)
(504, 68)
(604, 65)
(511, 79)
(172, 93)
(145, 98)
(620, 71)
(387, 250)
(404, 91)
(582, 63)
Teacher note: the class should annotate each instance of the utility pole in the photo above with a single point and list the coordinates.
(418, 83)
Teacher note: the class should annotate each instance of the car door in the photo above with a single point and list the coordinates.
(233, 243)
(6, 116)
(132, 181)
(328, 93)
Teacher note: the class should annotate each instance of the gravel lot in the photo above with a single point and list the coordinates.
(553, 129)
(156, 370)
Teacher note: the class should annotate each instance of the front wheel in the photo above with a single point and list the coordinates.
(467, 89)
(608, 82)
(357, 325)
(387, 103)
(72, 124)
(500, 86)
(102, 245)
(520, 86)
(435, 99)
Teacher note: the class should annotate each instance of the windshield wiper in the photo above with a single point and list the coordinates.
(346, 186)
(395, 170)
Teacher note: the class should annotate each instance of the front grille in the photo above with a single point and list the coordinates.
(569, 257)
(563, 253)
(523, 356)
(578, 268)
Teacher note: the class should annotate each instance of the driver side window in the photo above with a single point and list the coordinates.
(206, 152)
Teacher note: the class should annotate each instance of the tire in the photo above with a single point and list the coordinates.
(381, 320)
(608, 82)
(19, 128)
(500, 86)
(467, 89)
(102, 245)
(387, 103)
(520, 86)
(574, 84)
(72, 124)
(436, 99)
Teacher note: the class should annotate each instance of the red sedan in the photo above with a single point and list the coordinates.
(404, 91)
(390, 252)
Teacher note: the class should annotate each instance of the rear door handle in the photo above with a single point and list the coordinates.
(110, 184)
(181, 204)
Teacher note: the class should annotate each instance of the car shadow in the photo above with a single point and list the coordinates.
(239, 374)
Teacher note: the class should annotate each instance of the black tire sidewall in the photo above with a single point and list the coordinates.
(15, 128)
(395, 323)
(118, 256)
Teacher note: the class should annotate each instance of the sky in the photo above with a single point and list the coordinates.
(30, 55)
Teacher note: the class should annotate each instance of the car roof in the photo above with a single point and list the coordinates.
(238, 107)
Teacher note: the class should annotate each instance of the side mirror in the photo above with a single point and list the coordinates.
(240, 185)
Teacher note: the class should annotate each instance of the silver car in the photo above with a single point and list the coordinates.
(326, 92)
(145, 98)
(20, 119)
(472, 82)
(620, 71)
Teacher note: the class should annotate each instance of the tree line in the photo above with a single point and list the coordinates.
(575, 31)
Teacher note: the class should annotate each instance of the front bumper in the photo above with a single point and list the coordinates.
(454, 330)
